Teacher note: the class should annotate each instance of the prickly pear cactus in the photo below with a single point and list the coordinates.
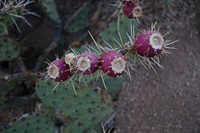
(81, 21)
(114, 85)
(32, 124)
(5, 22)
(82, 110)
(8, 50)
(51, 10)
(120, 31)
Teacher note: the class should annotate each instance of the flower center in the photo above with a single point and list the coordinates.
(53, 71)
(156, 41)
(69, 58)
(137, 12)
(83, 63)
(118, 65)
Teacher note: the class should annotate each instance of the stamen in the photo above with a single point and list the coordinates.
(118, 65)
(156, 41)
(84, 63)
(53, 71)
(69, 58)
(137, 12)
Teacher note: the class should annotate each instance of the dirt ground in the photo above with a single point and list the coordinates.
(170, 101)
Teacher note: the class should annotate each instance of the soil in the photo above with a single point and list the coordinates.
(170, 101)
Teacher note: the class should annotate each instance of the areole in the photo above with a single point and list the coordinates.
(156, 41)
(53, 71)
(118, 65)
(83, 63)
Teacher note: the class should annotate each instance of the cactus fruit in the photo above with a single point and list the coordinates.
(59, 70)
(132, 9)
(113, 63)
(149, 43)
(87, 63)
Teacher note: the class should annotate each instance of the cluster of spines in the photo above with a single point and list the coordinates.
(16, 9)
(149, 44)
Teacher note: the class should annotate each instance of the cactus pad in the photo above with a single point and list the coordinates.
(32, 124)
(5, 22)
(51, 10)
(8, 51)
(113, 85)
(81, 110)
(81, 22)
(119, 28)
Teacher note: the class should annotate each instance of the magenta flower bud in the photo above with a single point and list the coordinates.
(113, 63)
(149, 43)
(59, 71)
(87, 63)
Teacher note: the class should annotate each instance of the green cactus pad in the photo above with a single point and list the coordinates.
(119, 29)
(51, 10)
(81, 21)
(83, 111)
(6, 21)
(32, 124)
(85, 124)
(8, 51)
(113, 85)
